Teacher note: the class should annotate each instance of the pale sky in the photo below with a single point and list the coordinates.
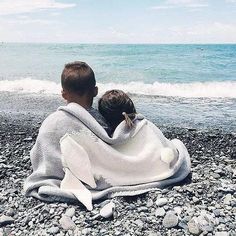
(118, 21)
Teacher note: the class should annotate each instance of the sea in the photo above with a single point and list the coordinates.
(190, 86)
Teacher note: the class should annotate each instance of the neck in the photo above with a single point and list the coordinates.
(85, 102)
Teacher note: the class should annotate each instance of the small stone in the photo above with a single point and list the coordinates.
(10, 212)
(160, 211)
(26, 220)
(142, 209)
(195, 200)
(164, 191)
(117, 223)
(67, 223)
(108, 210)
(70, 212)
(221, 220)
(215, 175)
(5, 220)
(227, 199)
(154, 234)
(149, 203)
(77, 232)
(28, 139)
(86, 231)
(217, 212)
(53, 230)
(183, 225)
(51, 211)
(222, 233)
(31, 224)
(207, 228)
(171, 199)
(117, 233)
(170, 220)
(193, 227)
(139, 223)
(161, 201)
(178, 210)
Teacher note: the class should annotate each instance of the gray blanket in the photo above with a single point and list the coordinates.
(44, 183)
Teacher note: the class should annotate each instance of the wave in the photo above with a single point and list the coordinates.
(191, 90)
(28, 85)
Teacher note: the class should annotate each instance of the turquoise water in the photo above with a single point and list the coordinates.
(183, 85)
(122, 63)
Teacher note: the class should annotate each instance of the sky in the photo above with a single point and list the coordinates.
(118, 21)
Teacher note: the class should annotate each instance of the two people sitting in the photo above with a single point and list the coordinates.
(85, 154)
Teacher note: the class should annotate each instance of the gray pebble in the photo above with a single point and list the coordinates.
(149, 203)
(107, 210)
(10, 212)
(77, 232)
(28, 139)
(215, 175)
(70, 212)
(161, 201)
(217, 212)
(53, 230)
(51, 211)
(86, 231)
(142, 209)
(160, 211)
(170, 220)
(183, 225)
(227, 199)
(195, 200)
(194, 227)
(222, 233)
(154, 234)
(139, 223)
(178, 210)
(67, 223)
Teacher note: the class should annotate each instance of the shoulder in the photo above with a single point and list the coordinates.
(54, 120)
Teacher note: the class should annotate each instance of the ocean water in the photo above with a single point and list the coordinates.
(180, 85)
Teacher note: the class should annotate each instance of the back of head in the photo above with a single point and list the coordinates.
(78, 78)
(113, 105)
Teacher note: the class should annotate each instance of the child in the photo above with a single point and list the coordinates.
(78, 89)
(79, 86)
(116, 106)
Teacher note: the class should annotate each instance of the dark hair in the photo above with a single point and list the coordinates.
(115, 106)
(78, 77)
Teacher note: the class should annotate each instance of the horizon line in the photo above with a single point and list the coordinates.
(113, 43)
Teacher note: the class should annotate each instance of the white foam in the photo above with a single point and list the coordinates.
(196, 89)
(28, 85)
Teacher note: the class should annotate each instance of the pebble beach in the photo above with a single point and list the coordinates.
(204, 204)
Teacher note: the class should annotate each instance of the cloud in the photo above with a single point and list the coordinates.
(55, 14)
(162, 7)
(118, 34)
(169, 4)
(216, 28)
(30, 21)
(184, 2)
(215, 32)
(10, 7)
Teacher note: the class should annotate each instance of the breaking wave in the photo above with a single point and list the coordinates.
(195, 89)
